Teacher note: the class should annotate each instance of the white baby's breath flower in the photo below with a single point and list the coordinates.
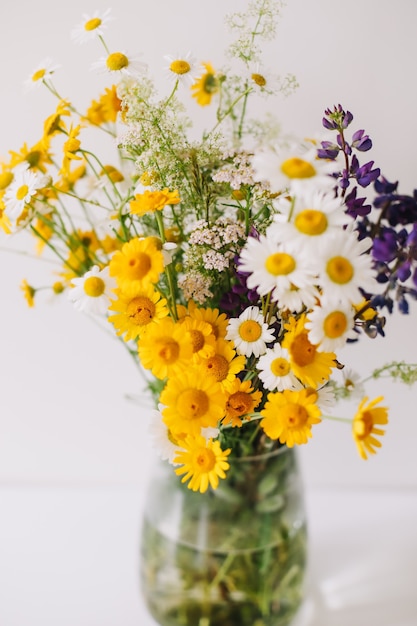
(91, 26)
(42, 72)
(249, 332)
(91, 292)
(120, 62)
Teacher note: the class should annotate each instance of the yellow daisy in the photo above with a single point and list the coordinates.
(150, 201)
(289, 415)
(70, 147)
(217, 320)
(165, 348)
(28, 292)
(203, 463)
(192, 401)
(224, 364)
(36, 157)
(138, 263)
(53, 124)
(206, 86)
(242, 401)
(364, 426)
(201, 337)
(135, 311)
(309, 365)
(105, 109)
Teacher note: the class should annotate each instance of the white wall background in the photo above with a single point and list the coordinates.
(63, 416)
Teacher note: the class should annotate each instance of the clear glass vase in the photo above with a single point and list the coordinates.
(235, 556)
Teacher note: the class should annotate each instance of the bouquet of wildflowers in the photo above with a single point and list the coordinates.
(233, 267)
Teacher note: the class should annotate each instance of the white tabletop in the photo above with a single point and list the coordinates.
(69, 557)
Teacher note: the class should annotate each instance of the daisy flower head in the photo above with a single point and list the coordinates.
(249, 332)
(241, 402)
(165, 444)
(331, 324)
(203, 463)
(206, 86)
(308, 216)
(91, 293)
(120, 63)
(151, 201)
(42, 73)
(352, 383)
(192, 401)
(165, 348)
(262, 81)
(274, 267)
(133, 312)
(91, 26)
(137, 264)
(224, 364)
(366, 426)
(183, 68)
(344, 267)
(275, 370)
(289, 415)
(21, 192)
(310, 366)
(280, 167)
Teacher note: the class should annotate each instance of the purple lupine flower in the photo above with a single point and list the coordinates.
(404, 271)
(328, 150)
(356, 206)
(385, 246)
(364, 174)
(360, 141)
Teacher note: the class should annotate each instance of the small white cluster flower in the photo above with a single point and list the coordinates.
(195, 286)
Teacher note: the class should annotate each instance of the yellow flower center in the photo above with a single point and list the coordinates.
(22, 192)
(297, 168)
(92, 24)
(140, 310)
(204, 459)
(294, 415)
(259, 79)
(302, 351)
(280, 367)
(218, 367)
(38, 75)
(192, 403)
(117, 61)
(33, 157)
(280, 263)
(249, 330)
(180, 67)
(168, 350)
(340, 270)
(363, 426)
(311, 222)
(139, 266)
(335, 324)
(94, 286)
(5, 180)
(197, 340)
(239, 403)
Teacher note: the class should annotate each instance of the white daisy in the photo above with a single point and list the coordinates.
(295, 299)
(326, 398)
(91, 292)
(183, 68)
(21, 191)
(263, 81)
(120, 63)
(308, 216)
(331, 324)
(91, 26)
(162, 440)
(343, 267)
(274, 267)
(249, 332)
(353, 384)
(280, 167)
(275, 370)
(42, 72)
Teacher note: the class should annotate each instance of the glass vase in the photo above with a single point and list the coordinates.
(235, 556)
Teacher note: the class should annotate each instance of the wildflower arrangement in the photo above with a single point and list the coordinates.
(234, 267)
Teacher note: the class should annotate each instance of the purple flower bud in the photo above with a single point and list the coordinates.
(360, 141)
(404, 271)
(385, 246)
